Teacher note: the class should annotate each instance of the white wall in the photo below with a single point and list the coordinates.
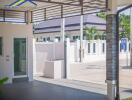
(46, 52)
(90, 56)
(52, 36)
(46, 35)
(8, 32)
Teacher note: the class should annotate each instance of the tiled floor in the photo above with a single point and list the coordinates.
(45, 91)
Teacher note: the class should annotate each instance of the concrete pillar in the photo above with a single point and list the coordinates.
(131, 37)
(67, 58)
(111, 51)
(81, 38)
(28, 17)
(34, 57)
(63, 29)
(77, 48)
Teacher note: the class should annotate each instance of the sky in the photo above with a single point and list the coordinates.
(127, 12)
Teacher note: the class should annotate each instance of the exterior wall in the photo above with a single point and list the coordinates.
(47, 56)
(46, 35)
(52, 36)
(8, 32)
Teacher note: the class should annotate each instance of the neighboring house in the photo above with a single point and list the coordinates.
(51, 29)
(16, 51)
(16, 45)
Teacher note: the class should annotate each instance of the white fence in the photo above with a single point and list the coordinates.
(92, 49)
(51, 54)
(98, 47)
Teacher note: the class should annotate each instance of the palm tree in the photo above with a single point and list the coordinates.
(91, 33)
(125, 26)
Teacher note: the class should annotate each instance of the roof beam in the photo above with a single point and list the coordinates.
(63, 3)
(54, 2)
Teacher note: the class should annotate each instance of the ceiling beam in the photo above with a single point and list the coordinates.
(63, 3)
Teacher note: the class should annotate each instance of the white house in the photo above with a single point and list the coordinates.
(16, 46)
(51, 29)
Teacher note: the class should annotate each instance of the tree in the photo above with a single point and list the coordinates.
(125, 26)
(101, 15)
(91, 33)
(124, 22)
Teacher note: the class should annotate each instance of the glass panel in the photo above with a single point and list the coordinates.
(1, 45)
(20, 56)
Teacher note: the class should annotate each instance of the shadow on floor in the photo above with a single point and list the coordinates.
(44, 91)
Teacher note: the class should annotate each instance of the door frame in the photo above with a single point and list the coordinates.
(117, 95)
(21, 37)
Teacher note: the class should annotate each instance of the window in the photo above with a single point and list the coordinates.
(1, 45)
(37, 39)
(44, 39)
(48, 39)
(103, 47)
(129, 47)
(58, 38)
(88, 47)
(94, 47)
(76, 37)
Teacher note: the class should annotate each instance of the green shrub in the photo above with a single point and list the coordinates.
(2, 81)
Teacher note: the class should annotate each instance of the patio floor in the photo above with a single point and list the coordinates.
(45, 91)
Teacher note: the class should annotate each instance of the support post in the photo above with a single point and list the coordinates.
(63, 29)
(131, 37)
(34, 57)
(112, 52)
(81, 38)
(67, 58)
(28, 17)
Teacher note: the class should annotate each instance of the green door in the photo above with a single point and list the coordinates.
(20, 56)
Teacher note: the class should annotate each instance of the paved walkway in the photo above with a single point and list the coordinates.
(50, 89)
(86, 86)
(45, 91)
(96, 72)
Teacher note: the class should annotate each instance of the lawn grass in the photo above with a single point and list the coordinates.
(129, 98)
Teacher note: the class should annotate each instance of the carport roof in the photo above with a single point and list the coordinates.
(50, 9)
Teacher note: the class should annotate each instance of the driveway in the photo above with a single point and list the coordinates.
(45, 91)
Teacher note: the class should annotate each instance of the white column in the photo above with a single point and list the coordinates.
(63, 29)
(81, 38)
(34, 57)
(67, 58)
(131, 37)
(28, 17)
(77, 48)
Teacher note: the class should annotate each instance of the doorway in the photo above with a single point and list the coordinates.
(20, 58)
